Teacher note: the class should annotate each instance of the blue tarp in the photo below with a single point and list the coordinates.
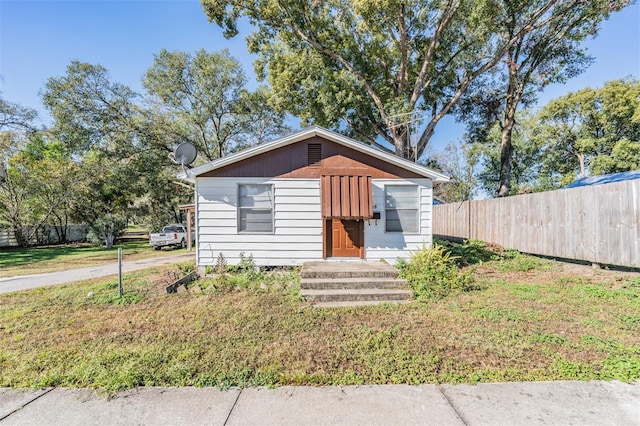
(602, 179)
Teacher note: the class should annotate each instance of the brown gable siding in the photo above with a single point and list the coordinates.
(292, 162)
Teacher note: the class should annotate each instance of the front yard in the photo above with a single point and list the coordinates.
(37, 260)
(525, 319)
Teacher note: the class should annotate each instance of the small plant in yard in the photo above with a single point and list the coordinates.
(187, 268)
(433, 274)
(471, 252)
(513, 260)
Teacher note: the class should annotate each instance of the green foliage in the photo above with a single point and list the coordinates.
(341, 62)
(513, 260)
(469, 252)
(246, 265)
(624, 156)
(593, 130)
(105, 229)
(187, 268)
(221, 270)
(624, 367)
(246, 275)
(38, 181)
(219, 118)
(433, 274)
(118, 139)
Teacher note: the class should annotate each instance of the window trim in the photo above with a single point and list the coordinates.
(240, 208)
(417, 208)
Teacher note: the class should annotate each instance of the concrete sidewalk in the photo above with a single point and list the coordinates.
(25, 282)
(578, 403)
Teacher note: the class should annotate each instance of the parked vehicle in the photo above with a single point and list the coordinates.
(172, 235)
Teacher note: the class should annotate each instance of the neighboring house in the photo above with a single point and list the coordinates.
(312, 195)
(603, 179)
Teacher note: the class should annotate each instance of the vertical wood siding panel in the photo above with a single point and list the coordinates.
(345, 197)
(335, 197)
(354, 191)
(326, 196)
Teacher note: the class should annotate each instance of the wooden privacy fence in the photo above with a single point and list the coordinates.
(599, 223)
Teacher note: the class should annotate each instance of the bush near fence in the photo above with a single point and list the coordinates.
(599, 224)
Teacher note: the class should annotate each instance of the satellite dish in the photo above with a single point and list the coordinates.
(184, 154)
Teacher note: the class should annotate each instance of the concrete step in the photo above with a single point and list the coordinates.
(351, 295)
(351, 283)
(356, 303)
(348, 270)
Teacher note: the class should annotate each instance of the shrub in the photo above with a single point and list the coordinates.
(471, 252)
(433, 274)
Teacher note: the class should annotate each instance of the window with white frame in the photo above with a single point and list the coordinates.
(255, 208)
(401, 208)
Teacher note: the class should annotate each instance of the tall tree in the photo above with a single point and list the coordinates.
(381, 67)
(14, 116)
(525, 161)
(16, 123)
(550, 53)
(591, 130)
(92, 112)
(205, 100)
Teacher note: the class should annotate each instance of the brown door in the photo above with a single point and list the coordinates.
(346, 238)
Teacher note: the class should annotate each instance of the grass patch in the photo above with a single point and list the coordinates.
(253, 331)
(35, 260)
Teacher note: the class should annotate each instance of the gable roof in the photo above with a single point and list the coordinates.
(307, 133)
(603, 179)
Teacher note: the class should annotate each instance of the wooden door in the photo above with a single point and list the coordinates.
(346, 238)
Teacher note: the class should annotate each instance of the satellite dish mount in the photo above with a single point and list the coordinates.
(185, 154)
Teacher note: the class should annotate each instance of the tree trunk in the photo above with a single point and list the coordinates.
(402, 145)
(515, 88)
(583, 171)
(506, 152)
(108, 241)
(19, 235)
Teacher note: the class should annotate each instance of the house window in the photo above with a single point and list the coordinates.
(255, 208)
(401, 208)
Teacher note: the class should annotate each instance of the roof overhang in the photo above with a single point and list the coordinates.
(307, 133)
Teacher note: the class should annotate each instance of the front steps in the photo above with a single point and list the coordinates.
(353, 283)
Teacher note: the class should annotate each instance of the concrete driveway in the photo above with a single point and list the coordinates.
(25, 282)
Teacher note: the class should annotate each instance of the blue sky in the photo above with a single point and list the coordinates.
(38, 39)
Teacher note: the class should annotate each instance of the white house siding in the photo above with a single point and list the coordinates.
(392, 245)
(297, 233)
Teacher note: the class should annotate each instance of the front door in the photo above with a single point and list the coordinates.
(346, 238)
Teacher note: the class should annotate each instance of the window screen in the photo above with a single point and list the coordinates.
(401, 208)
(255, 208)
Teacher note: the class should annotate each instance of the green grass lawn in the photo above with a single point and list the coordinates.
(526, 319)
(34, 260)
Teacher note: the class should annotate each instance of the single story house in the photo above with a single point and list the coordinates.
(309, 196)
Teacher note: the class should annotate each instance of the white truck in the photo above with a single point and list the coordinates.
(172, 235)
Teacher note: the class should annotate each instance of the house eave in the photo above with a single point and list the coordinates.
(192, 174)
